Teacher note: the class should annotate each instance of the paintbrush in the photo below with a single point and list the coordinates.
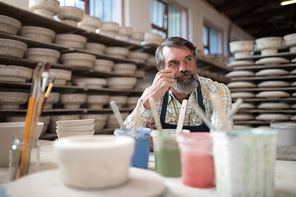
(47, 93)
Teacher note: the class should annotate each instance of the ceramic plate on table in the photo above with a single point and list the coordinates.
(242, 95)
(240, 73)
(273, 106)
(272, 72)
(270, 117)
(243, 117)
(240, 63)
(273, 84)
(274, 94)
(49, 183)
(272, 60)
(241, 84)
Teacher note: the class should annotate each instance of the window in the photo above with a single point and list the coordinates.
(168, 18)
(212, 39)
(103, 9)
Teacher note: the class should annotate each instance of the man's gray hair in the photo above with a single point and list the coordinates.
(172, 42)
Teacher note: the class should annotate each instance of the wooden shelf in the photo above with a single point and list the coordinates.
(255, 67)
(285, 54)
(263, 78)
(262, 89)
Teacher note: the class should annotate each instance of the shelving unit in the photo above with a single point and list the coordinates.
(257, 79)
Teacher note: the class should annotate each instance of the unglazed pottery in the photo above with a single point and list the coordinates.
(13, 71)
(73, 101)
(290, 40)
(138, 35)
(46, 8)
(52, 125)
(12, 48)
(110, 34)
(90, 21)
(78, 59)
(269, 43)
(100, 120)
(53, 97)
(117, 51)
(38, 33)
(241, 46)
(12, 100)
(110, 26)
(70, 12)
(103, 65)
(127, 31)
(60, 74)
(138, 55)
(71, 123)
(9, 25)
(95, 47)
(121, 82)
(124, 68)
(71, 40)
(42, 55)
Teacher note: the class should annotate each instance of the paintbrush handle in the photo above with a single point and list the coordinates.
(155, 114)
(182, 116)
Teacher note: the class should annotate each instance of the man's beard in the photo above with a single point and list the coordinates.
(187, 85)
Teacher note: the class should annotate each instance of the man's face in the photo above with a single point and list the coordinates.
(182, 63)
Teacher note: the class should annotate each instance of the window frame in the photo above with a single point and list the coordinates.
(209, 25)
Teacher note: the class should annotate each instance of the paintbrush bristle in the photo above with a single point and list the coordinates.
(46, 66)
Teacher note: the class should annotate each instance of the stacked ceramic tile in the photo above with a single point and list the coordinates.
(75, 127)
(70, 15)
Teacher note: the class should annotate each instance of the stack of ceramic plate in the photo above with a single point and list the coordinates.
(240, 73)
(273, 94)
(273, 105)
(70, 15)
(90, 82)
(75, 127)
(241, 84)
(273, 84)
(240, 63)
(52, 124)
(272, 60)
(272, 72)
(100, 120)
(97, 101)
(73, 101)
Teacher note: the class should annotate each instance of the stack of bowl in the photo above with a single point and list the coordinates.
(117, 52)
(124, 33)
(137, 37)
(95, 47)
(103, 65)
(100, 120)
(90, 23)
(75, 127)
(138, 57)
(54, 118)
(70, 15)
(152, 38)
(109, 29)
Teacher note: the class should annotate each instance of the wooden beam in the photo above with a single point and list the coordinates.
(245, 4)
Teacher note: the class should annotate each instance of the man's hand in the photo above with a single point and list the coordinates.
(163, 81)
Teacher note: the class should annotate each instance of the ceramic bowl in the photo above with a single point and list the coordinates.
(82, 60)
(100, 120)
(77, 128)
(117, 51)
(290, 40)
(77, 156)
(70, 12)
(70, 22)
(153, 37)
(140, 73)
(242, 45)
(69, 123)
(91, 21)
(8, 131)
(110, 26)
(53, 97)
(62, 134)
(97, 99)
(90, 82)
(127, 31)
(95, 47)
(9, 25)
(42, 55)
(138, 35)
(72, 101)
(12, 100)
(122, 37)
(110, 34)
(269, 43)
(52, 125)
(71, 40)
(38, 33)
(12, 48)
(16, 72)
(60, 74)
(121, 82)
(124, 68)
(46, 8)
(103, 65)
(138, 55)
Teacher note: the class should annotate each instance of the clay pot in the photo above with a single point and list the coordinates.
(95, 47)
(9, 25)
(110, 26)
(121, 51)
(125, 68)
(72, 101)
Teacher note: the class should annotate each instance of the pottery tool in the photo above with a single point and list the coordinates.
(181, 116)
(221, 114)
(40, 76)
(47, 93)
(137, 115)
(235, 107)
(117, 115)
(203, 116)
(155, 114)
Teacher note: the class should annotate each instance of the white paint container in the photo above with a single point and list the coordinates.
(287, 133)
(245, 162)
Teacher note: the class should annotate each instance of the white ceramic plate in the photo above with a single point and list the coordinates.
(273, 106)
(272, 60)
(242, 95)
(275, 94)
(240, 63)
(241, 84)
(48, 183)
(240, 73)
(273, 84)
(272, 72)
(243, 117)
(270, 117)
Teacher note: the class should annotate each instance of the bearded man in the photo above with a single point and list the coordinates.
(176, 80)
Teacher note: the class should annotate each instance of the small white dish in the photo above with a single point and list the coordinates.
(247, 106)
(273, 106)
(243, 117)
(242, 95)
(272, 60)
(67, 123)
(272, 72)
(270, 117)
(241, 84)
(240, 63)
(240, 73)
(273, 84)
